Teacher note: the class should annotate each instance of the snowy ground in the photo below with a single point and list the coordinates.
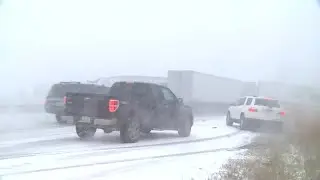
(33, 146)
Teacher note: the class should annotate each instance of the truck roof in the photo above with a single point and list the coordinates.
(111, 80)
(137, 82)
(260, 97)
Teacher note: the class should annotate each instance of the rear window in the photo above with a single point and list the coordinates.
(249, 101)
(124, 90)
(267, 102)
(60, 90)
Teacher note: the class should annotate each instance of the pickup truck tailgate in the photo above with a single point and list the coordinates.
(88, 104)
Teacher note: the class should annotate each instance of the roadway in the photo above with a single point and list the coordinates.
(34, 146)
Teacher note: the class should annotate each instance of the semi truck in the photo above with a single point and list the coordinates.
(208, 93)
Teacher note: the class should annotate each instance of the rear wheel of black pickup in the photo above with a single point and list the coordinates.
(130, 131)
(85, 131)
(60, 120)
(145, 130)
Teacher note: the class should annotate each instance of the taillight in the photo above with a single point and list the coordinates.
(252, 109)
(113, 105)
(282, 113)
(65, 99)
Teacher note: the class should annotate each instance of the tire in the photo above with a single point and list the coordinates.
(146, 130)
(243, 122)
(185, 128)
(229, 121)
(107, 130)
(130, 131)
(84, 131)
(60, 120)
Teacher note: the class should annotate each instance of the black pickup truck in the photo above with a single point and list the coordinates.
(131, 108)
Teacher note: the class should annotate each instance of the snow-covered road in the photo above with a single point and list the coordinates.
(33, 146)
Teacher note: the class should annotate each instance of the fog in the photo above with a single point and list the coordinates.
(42, 42)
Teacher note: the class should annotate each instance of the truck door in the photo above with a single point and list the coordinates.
(165, 108)
(171, 106)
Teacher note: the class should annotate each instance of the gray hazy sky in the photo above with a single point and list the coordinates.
(52, 40)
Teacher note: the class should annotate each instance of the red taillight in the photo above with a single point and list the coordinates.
(113, 105)
(282, 113)
(251, 109)
(65, 99)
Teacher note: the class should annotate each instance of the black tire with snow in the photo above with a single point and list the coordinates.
(185, 128)
(130, 131)
(145, 130)
(85, 131)
(60, 120)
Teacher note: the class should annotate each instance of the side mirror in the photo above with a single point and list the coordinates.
(180, 100)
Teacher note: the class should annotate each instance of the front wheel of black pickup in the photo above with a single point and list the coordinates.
(184, 129)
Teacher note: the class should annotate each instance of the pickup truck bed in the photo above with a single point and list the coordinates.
(86, 104)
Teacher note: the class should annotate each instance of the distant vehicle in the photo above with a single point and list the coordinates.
(55, 101)
(251, 110)
(131, 108)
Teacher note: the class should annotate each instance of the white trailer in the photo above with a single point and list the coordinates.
(204, 88)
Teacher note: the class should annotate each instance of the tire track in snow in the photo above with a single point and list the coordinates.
(128, 148)
(83, 152)
(126, 160)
